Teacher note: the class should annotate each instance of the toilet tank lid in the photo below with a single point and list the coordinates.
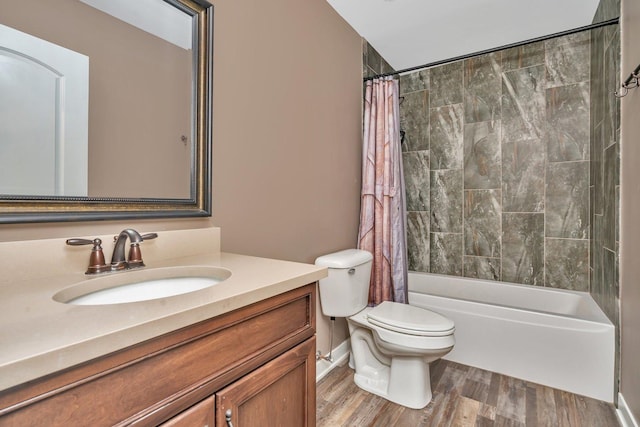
(347, 258)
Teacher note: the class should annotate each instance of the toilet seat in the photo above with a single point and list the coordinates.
(396, 340)
(410, 320)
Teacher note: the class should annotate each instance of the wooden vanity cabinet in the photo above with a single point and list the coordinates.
(258, 362)
(273, 395)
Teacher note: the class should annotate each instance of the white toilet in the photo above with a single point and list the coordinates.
(392, 344)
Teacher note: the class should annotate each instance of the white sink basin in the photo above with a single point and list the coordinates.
(141, 285)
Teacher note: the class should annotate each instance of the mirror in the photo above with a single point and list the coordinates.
(116, 122)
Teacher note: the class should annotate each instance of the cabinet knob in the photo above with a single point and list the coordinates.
(227, 417)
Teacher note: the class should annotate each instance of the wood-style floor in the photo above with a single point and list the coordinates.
(462, 396)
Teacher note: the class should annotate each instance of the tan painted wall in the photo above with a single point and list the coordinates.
(287, 137)
(287, 131)
(630, 212)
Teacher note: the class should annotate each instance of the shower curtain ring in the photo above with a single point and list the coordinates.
(619, 94)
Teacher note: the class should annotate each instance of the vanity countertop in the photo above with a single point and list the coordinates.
(39, 336)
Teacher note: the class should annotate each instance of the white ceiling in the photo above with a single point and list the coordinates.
(157, 18)
(409, 33)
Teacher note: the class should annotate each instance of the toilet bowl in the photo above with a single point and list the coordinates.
(392, 344)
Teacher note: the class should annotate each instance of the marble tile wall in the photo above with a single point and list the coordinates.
(497, 165)
(605, 161)
(604, 185)
(372, 63)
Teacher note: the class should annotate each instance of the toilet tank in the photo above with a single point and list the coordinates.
(345, 291)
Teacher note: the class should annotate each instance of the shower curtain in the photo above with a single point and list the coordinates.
(382, 211)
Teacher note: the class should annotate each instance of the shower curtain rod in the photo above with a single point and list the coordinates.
(495, 49)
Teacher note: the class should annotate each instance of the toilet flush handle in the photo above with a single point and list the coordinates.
(352, 271)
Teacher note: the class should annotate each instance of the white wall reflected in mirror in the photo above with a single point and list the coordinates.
(44, 107)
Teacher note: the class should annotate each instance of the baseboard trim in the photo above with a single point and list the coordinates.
(624, 413)
(340, 353)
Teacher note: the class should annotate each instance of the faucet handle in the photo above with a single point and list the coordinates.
(144, 237)
(96, 259)
(135, 255)
(78, 242)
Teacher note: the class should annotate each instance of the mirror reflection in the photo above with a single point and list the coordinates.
(103, 100)
(43, 117)
(139, 103)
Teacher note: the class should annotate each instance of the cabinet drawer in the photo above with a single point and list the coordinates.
(155, 380)
(199, 415)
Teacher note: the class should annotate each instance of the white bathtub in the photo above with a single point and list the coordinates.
(548, 336)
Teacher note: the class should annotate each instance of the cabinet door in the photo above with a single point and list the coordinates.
(281, 393)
